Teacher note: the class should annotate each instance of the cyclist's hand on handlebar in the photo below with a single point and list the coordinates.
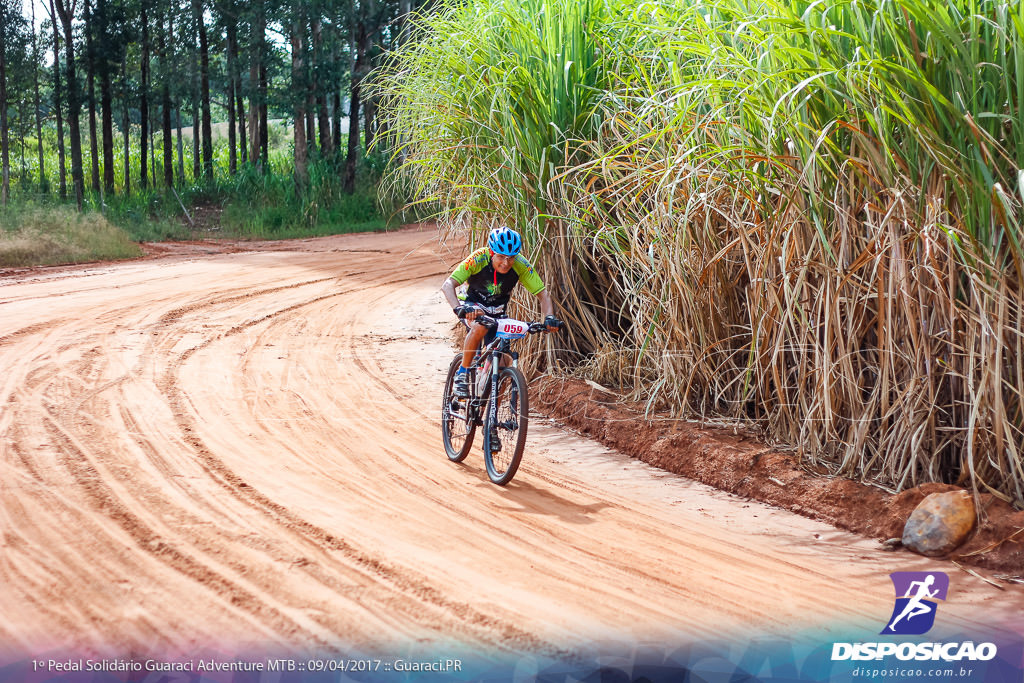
(468, 311)
(552, 323)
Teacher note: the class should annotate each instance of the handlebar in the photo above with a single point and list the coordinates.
(535, 328)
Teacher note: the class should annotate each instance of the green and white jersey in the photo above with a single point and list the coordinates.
(487, 286)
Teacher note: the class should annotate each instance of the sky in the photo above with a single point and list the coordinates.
(42, 9)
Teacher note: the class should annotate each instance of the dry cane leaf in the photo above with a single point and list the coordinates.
(1009, 579)
(979, 576)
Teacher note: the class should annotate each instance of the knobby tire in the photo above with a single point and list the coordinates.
(456, 433)
(512, 423)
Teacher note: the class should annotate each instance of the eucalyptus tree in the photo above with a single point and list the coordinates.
(15, 87)
(166, 66)
(66, 13)
(61, 154)
(204, 88)
(144, 93)
(10, 35)
(35, 84)
(89, 28)
(111, 19)
(229, 14)
(297, 35)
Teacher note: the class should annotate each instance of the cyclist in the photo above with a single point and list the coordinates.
(491, 273)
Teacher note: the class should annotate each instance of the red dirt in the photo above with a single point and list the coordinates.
(737, 462)
(244, 449)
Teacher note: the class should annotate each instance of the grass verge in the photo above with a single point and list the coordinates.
(53, 235)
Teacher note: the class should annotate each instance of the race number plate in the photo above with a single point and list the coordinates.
(512, 329)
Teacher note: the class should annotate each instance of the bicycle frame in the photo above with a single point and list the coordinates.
(493, 352)
(497, 400)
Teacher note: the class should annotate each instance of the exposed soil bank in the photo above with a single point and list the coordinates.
(739, 463)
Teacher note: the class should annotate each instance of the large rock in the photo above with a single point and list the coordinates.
(940, 523)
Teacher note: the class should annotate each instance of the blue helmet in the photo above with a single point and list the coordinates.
(505, 241)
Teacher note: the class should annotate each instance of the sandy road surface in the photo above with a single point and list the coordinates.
(243, 449)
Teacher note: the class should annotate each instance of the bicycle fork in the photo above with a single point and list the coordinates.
(492, 404)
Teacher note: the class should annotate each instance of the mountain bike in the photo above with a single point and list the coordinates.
(497, 401)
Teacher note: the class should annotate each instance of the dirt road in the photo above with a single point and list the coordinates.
(243, 449)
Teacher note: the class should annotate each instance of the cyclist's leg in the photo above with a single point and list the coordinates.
(474, 336)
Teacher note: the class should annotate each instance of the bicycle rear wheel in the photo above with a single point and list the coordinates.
(509, 427)
(458, 423)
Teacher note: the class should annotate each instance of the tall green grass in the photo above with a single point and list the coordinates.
(804, 214)
(252, 203)
(32, 235)
(268, 205)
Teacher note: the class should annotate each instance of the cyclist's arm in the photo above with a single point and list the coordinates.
(546, 306)
(448, 289)
(529, 279)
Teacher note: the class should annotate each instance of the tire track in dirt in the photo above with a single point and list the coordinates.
(244, 453)
(77, 462)
(103, 498)
(375, 375)
(29, 331)
(561, 537)
(401, 580)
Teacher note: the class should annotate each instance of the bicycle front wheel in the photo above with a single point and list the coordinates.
(505, 435)
(458, 423)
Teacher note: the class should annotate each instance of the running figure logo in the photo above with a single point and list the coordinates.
(916, 596)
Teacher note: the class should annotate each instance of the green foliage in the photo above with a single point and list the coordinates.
(256, 203)
(151, 215)
(488, 100)
(804, 213)
(270, 206)
(41, 234)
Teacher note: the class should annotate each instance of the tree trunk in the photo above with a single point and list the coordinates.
(39, 123)
(125, 127)
(107, 115)
(241, 116)
(336, 122)
(232, 134)
(181, 150)
(5, 157)
(61, 157)
(90, 87)
(264, 122)
(254, 107)
(299, 93)
(310, 105)
(368, 104)
(258, 84)
(370, 122)
(152, 145)
(204, 87)
(106, 101)
(310, 108)
(21, 130)
(196, 162)
(358, 66)
(66, 12)
(144, 101)
(323, 122)
(165, 62)
(231, 28)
